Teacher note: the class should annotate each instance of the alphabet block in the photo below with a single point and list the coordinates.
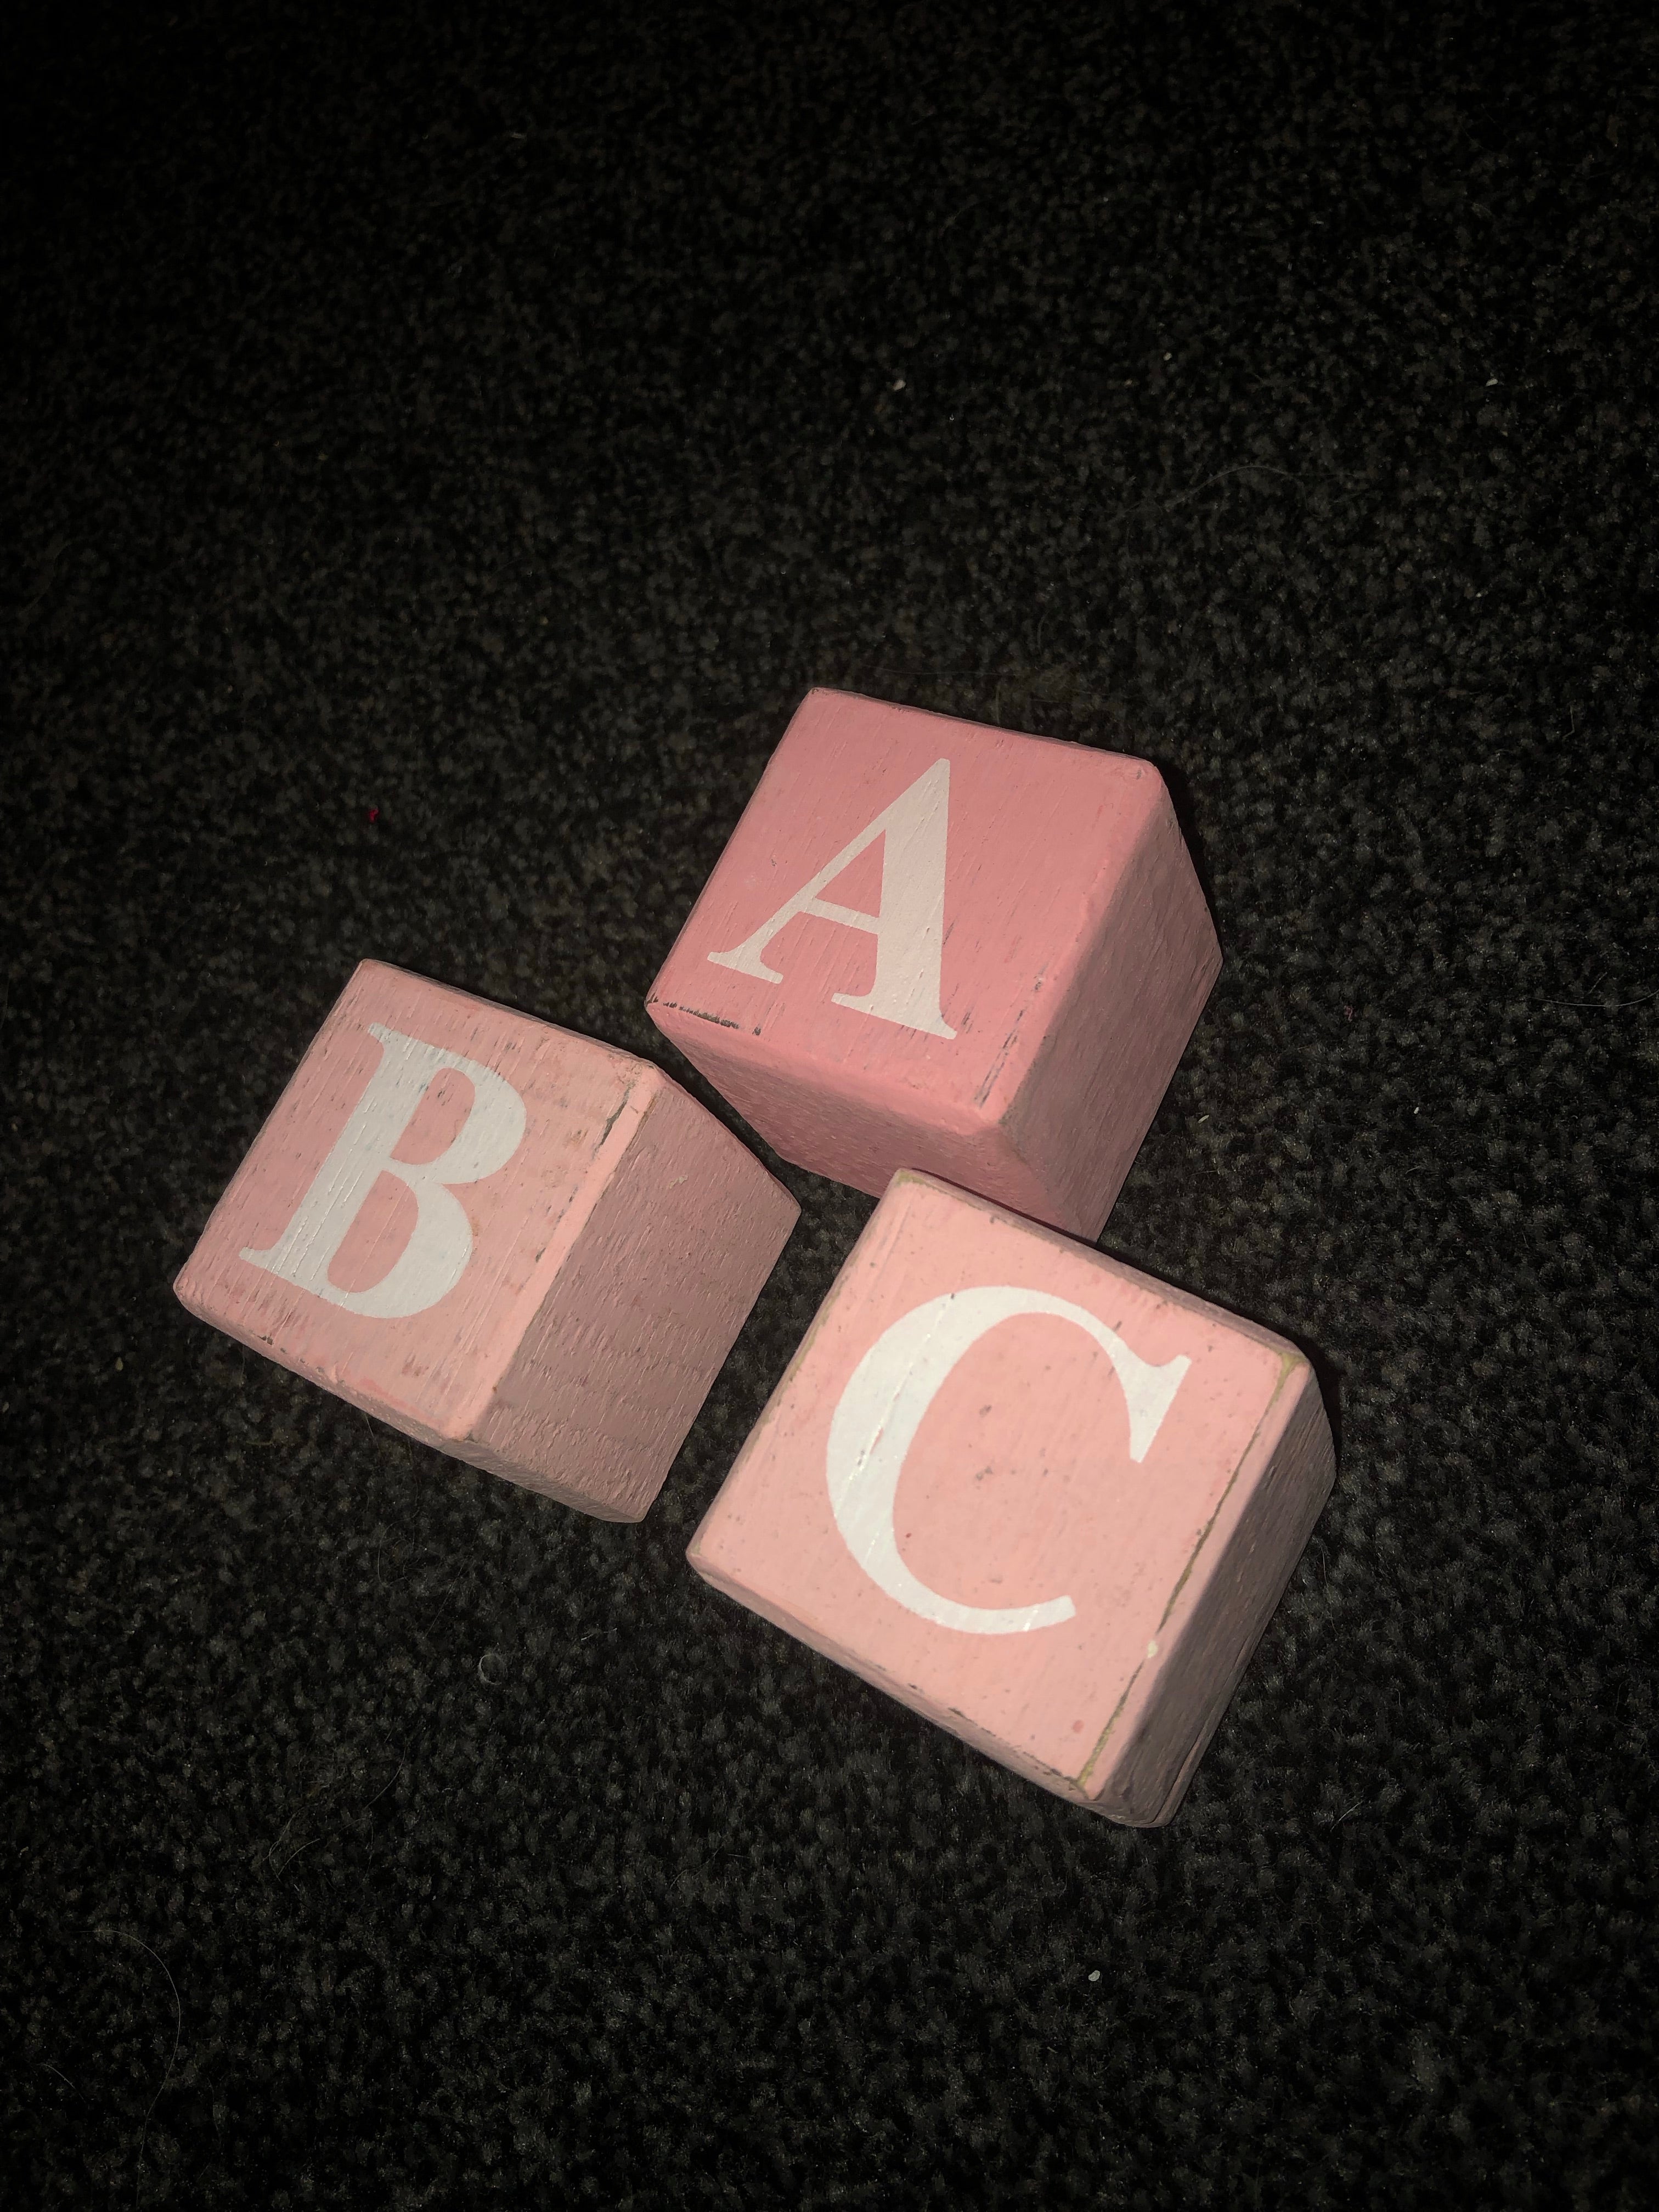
(1046, 1501)
(512, 1243)
(932, 946)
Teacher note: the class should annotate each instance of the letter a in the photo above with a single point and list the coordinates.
(439, 1245)
(909, 930)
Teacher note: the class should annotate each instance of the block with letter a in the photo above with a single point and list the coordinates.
(510, 1242)
(1048, 1502)
(934, 945)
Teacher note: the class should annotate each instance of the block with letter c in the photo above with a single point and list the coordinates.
(512, 1242)
(1044, 1499)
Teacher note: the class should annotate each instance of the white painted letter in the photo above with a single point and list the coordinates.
(439, 1245)
(909, 930)
(882, 1407)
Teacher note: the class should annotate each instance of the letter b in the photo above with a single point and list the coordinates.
(439, 1244)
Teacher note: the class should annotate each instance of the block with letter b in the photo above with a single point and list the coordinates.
(934, 945)
(1046, 1501)
(509, 1241)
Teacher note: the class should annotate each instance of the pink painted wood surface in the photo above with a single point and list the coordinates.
(1044, 1499)
(560, 1315)
(995, 987)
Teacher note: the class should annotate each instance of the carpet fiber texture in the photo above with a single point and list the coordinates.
(442, 446)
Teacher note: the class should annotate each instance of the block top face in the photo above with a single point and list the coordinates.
(987, 1475)
(412, 1289)
(906, 894)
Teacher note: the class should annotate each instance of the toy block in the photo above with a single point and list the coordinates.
(934, 945)
(1044, 1499)
(510, 1242)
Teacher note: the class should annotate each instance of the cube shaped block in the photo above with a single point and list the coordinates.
(1044, 1499)
(510, 1242)
(932, 946)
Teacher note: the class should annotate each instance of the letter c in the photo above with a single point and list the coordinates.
(890, 1390)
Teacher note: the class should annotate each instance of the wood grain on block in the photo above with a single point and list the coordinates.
(1041, 1498)
(512, 1242)
(934, 945)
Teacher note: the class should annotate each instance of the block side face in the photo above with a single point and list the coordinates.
(642, 1316)
(951, 1483)
(1077, 1115)
(1016, 835)
(1217, 1616)
(387, 1232)
(859, 1133)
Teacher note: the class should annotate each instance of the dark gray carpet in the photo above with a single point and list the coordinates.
(440, 449)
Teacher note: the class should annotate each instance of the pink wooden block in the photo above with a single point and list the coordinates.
(520, 1246)
(937, 946)
(1048, 1502)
